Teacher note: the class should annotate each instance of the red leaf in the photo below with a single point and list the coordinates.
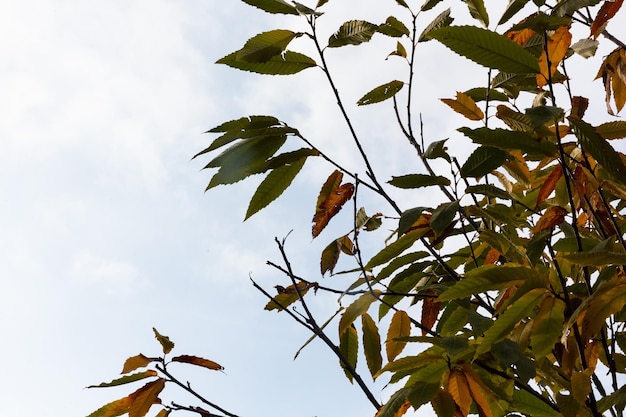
(430, 311)
(195, 360)
(606, 12)
(548, 185)
(330, 205)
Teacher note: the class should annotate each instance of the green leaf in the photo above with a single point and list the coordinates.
(394, 28)
(165, 341)
(320, 3)
(503, 325)
(273, 186)
(418, 181)
(478, 11)
(612, 130)
(306, 11)
(330, 256)
(512, 8)
(349, 347)
(371, 344)
(443, 19)
(443, 216)
(399, 262)
(544, 115)
(126, 379)
(264, 46)
(273, 6)
(509, 140)
(394, 249)
(356, 309)
(285, 64)
(547, 325)
(488, 278)
(394, 404)
(353, 32)
(487, 48)
(600, 149)
(408, 218)
(479, 94)
(422, 393)
(489, 190)
(531, 405)
(429, 4)
(243, 159)
(568, 7)
(436, 150)
(381, 93)
(482, 161)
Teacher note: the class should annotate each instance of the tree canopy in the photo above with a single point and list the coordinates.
(510, 283)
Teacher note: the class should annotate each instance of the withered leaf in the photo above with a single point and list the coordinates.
(330, 206)
(195, 360)
(552, 217)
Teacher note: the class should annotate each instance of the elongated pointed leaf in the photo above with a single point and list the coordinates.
(558, 44)
(547, 325)
(145, 397)
(612, 130)
(394, 249)
(126, 379)
(198, 361)
(273, 6)
(264, 46)
(273, 186)
(381, 93)
(531, 405)
(511, 10)
(568, 7)
(135, 362)
(465, 105)
(285, 64)
(394, 28)
(330, 256)
(478, 11)
(330, 206)
(353, 32)
(509, 140)
(600, 149)
(443, 19)
(113, 409)
(488, 190)
(400, 327)
(349, 348)
(356, 309)
(443, 216)
(371, 344)
(482, 161)
(487, 48)
(418, 181)
(503, 325)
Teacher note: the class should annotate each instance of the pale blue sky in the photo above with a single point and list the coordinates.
(106, 229)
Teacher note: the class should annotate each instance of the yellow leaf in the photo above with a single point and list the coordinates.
(581, 385)
(557, 47)
(135, 362)
(457, 387)
(113, 409)
(400, 327)
(165, 341)
(144, 397)
(553, 216)
(194, 360)
(477, 395)
(465, 105)
(520, 37)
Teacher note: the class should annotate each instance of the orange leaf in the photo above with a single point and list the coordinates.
(113, 409)
(557, 47)
(606, 12)
(144, 397)
(430, 311)
(477, 395)
(553, 216)
(457, 387)
(135, 362)
(194, 360)
(330, 206)
(465, 105)
(492, 256)
(400, 326)
(549, 185)
(520, 37)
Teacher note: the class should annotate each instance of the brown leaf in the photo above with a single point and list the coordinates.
(579, 106)
(195, 360)
(330, 206)
(557, 47)
(553, 216)
(144, 397)
(492, 256)
(613, 74)
(289, 295)
(606, 12)
(430, 311)
(549, 185)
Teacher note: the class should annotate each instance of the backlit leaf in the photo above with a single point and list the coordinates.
(463, 104)
(430, 311)
(145, 397)
(353, 32)
(262, 47)
(273, 186)
(127, 379)
(549, 184)
(381, 93)
(273, 6)
(396, 406)
(553, 216)
(557, 47)
(394, 28)
(371, 344)
(476, 391)
(487, 48)
(418, 180)
(512, 316)
(330, 206)
(482, 161)
(443, 19)
(356, 309)
(612, 130)
(135, 362)
(349, 347)
(547, 325)
(400, 327)
(457, 387)
(288, 295)
(478, 11)
(581, 385)
(585, 47)
(596, 258)
(444, 404)
(165, 341)
(288, 63)
(606, 301)
(113, 409)
(606, 12)
(195, 360)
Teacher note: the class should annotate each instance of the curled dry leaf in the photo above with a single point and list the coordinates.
(331, 199)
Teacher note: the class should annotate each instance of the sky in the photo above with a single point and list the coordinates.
(107, 230)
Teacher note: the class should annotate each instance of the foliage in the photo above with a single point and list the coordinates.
(514, 282)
